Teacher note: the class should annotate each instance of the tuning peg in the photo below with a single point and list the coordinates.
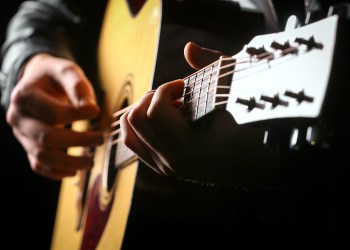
(318, 136)
(342, 9)
(297, 139)
(313, 11)
(275, 100)
(270, 139)
(312, 136)
(299, 97)
(251, 103)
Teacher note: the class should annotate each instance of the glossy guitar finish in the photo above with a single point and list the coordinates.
(121, 35)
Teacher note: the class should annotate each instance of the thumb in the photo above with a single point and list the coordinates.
(199, 57)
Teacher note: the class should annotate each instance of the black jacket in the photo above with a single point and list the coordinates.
(58, 27)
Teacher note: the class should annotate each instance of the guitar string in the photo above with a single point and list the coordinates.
(117, 114)
(259, 57)
(262, 56)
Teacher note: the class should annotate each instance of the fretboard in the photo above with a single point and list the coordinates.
(206, 90)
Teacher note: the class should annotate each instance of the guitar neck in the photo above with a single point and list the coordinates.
(249, 84)
(207, 89)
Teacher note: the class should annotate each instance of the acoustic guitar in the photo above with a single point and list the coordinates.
(275, 77)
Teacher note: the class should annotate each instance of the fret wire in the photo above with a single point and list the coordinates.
(220, 103)
(265, 55)
(230, 65)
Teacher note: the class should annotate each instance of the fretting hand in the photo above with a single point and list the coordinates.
(217, 152)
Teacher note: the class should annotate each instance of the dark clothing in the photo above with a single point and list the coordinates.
(303, 214)
(52, 26)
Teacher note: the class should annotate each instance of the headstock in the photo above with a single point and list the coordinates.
(283, 75)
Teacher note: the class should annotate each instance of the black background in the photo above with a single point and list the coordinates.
(28, 201)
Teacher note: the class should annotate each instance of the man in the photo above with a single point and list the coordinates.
(39, 65)
(54, 52)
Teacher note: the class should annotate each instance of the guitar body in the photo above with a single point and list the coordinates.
(114, 208)
(127, 53)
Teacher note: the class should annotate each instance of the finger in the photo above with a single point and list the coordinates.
(198, 57)
(40, 134)
(154, 146)
(74, 82)
(166, 119)
(53, 158)
(46, 108)
(57, 164)
(49, 172)
(145, 153)
(138, 121)
(134, 143)
(52, 78)
(161, 125)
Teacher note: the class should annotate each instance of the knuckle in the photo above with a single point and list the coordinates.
(72, 71)
(68, 66)
(36, 166)
(43, 138)
(37, 155)
(35, 163)
(18, 96)
(134, 117)
(127, 140)
(153, 113)
(125, 135)
(11, 117)
(155, 110)
(162, 89)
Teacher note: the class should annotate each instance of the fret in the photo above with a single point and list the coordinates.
(202, 87)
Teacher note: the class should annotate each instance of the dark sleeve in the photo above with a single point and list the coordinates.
(51, 26)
